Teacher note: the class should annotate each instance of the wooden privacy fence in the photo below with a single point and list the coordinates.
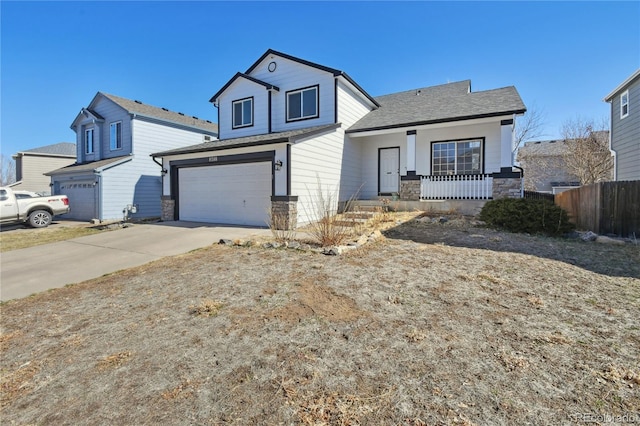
(605, 207)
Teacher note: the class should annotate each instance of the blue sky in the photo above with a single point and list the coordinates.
(563, 57)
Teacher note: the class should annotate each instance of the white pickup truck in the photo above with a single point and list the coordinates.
(22, 207)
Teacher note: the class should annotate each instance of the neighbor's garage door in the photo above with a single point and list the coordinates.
(238, 194)
(81, 199)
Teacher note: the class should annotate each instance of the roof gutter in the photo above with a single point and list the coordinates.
(437, 121)
(159, 164)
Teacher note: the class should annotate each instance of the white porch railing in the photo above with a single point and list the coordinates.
(456, 187)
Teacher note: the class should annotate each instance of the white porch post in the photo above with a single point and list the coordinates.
(506, 143)
(411, 152)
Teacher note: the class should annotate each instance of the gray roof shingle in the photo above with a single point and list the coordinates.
(62, 148)
(552, 148)
(163, 114)
(89, 167)
(439, 104)
(264, 139)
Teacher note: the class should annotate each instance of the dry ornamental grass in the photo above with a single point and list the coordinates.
(438, 323)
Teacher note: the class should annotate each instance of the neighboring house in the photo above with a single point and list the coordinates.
(544, 167)
(114, 174)
(290, 129)
(625, 128)
(32, 164)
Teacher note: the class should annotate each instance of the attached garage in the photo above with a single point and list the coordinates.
(81, 196)
(238, 194)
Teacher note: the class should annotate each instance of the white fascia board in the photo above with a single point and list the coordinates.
(400, 129)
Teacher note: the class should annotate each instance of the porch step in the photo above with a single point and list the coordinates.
(365, 208)
(359, 215)
(355, 218)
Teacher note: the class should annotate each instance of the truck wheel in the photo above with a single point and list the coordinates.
(40, 218)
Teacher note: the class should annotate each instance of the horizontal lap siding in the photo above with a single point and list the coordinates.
(111, 113)
(351, 109)
(241, 89)
(33, 168)
(370, 146)
(290, 75)
(131, 183)
(490, 131)
(139, 180)
(312, 161)
(625, 135)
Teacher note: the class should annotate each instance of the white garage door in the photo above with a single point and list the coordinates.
(81, 199)
(238, 194)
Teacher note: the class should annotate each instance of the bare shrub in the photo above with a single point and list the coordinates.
(327, 227)
(587, 155)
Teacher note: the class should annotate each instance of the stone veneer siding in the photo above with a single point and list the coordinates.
(507, 188)
(410, 190)
(168, 208)
(285, 212)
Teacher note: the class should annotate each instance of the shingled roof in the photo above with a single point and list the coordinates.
(263, 139)
(66, 149)
(439, 104)
(137, 107)
(92, 166)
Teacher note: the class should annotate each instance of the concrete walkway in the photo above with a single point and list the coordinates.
(35, 269)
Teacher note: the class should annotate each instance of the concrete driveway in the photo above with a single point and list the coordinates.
(39, 268)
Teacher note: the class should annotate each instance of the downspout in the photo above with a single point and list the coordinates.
(164, 171)
(98, 183)
(521, 177)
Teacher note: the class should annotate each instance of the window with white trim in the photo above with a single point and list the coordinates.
(457, 157)
(242, 113)
(624, 104)
(88, 141)
(115, 135)
(302, 104)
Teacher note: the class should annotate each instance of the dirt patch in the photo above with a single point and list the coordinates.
(438, 323)
(310, 299)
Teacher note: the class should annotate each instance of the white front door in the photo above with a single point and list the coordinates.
(389, 170)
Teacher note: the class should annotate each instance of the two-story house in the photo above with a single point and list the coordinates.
(625, 128)
(114, 174)
(291, 128)
(32, 164)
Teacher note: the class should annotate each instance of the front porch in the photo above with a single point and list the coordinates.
(504, 184)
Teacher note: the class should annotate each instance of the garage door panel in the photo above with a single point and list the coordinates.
(81, 197)
(231, 194)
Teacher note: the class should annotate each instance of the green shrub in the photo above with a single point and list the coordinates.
(526, 215)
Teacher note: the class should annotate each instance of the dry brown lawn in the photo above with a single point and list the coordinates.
(23, 237)
(435, 324)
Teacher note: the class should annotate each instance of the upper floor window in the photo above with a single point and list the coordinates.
(302, 104)
(88, 141)
(115, 135)
(242, 113)
(457, 157)
(624, 104)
